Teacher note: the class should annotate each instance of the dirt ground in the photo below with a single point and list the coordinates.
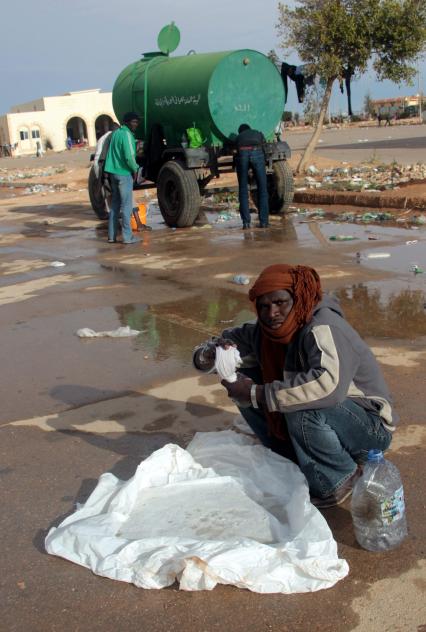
(73, 409)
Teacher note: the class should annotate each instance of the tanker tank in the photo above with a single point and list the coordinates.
(216, 92)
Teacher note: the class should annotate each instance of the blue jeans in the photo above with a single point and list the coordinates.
(328, 442)
(122, 200)
(255, 159)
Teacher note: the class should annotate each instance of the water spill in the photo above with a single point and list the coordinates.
(173, 329)
(382, 311)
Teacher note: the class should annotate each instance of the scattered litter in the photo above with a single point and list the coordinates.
(419, 219)
(413, 241)
(373, 238)
(224, 217)
(381, 217)
(364, 177)
(120, 332)
(378, 255)
(342, 238)
(57, 264)
(224, 511)
(241, 279)
(224, 322)
(416, 269)
(39, 188)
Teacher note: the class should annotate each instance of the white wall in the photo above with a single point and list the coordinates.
(50, 116)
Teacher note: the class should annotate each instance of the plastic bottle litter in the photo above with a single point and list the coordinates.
(342, 238)
(416, 269)
(241, 279)
(378, 255)
(377, 506)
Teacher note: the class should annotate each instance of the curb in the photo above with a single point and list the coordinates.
(359, 199)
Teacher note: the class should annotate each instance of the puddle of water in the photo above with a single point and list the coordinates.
(173, 329)
(384, 311)
(402, 258)
(361, 232)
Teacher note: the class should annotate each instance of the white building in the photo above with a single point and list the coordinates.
(82, 116)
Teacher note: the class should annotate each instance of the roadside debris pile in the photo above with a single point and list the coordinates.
(353, 217)
(7, 176)
(362, 178)
(41, 188)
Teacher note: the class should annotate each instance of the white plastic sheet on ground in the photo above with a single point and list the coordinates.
(226, 510)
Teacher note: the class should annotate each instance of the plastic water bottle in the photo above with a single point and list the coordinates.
(378, 509)
(241, 279)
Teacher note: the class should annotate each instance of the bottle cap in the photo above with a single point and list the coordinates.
(375, 455)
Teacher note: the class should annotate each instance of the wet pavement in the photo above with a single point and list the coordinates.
(73, 409)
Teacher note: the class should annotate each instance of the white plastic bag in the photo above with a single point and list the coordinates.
(224, 511)
(120, 332)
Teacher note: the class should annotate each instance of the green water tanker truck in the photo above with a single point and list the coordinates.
(214, 93)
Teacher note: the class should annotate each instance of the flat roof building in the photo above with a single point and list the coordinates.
(81, 116)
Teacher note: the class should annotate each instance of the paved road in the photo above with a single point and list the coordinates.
(406, 144)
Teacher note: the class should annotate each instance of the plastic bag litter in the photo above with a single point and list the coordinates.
(57, 264)
(120, 332)
(224, 511)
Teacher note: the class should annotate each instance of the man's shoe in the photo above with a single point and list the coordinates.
(112, 241)
(145, 227)
(262, 225)
(133, 240)
(246, 226)
(340, 495)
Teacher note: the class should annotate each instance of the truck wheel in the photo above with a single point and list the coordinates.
(96, 195)
(178, 194)
(280, 188)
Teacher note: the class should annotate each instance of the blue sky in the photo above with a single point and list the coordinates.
(53, 46)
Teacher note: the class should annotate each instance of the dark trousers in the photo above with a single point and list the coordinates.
(255, 159)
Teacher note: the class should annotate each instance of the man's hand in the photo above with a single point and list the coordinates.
(239, 390)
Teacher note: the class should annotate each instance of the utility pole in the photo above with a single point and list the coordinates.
(420, 92)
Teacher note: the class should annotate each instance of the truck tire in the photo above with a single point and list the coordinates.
(178, 195)
(96, 195)
(280, 188)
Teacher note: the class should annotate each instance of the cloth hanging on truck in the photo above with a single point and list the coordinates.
(300, 75)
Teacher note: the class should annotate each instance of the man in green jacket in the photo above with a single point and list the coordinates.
(122, 168)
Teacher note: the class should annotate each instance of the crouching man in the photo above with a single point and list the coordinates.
(309, 387)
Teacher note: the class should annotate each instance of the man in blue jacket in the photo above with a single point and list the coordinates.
(122, 168)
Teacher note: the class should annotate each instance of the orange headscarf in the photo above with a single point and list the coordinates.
(304, 285)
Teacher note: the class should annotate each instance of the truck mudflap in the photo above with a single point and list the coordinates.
(277, 151)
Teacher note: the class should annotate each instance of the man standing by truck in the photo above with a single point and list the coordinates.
(249, 145)
(122, 168)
